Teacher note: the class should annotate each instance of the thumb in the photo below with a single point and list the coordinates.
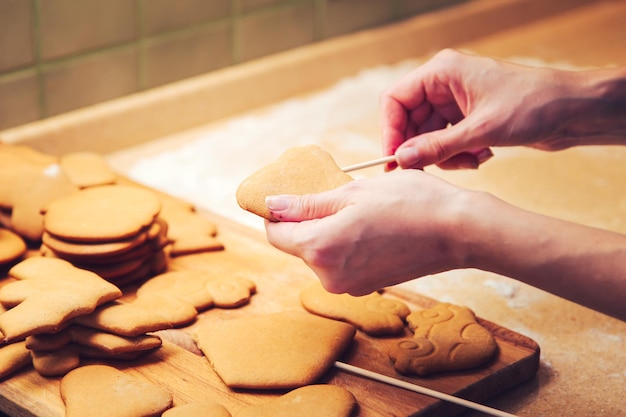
(297, 208)
(434, 147)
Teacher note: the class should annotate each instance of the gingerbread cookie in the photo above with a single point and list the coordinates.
(200, 289)
(30, 179)
(198, 409)
(307, 401)
(101, 214)
(12, 247)
(13, 357)
(48, 294)
(372, 313)
(300, 170)
(125, 319)
(275, 351)
(55, 362)
(103, 391)
(447, 337)
(87, 169)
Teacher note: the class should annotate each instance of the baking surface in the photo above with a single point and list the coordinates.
(583, 352)
(279, 279)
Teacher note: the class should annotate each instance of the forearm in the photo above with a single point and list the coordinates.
(592, 108)
(583, 264)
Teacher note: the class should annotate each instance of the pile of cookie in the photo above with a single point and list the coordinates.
(31, 179)
(39, 324)
(112, 230)
(81, 211)
(54, 313)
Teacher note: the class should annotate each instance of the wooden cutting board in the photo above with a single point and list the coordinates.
(279, 279)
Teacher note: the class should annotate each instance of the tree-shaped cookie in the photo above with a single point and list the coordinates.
(47, 295)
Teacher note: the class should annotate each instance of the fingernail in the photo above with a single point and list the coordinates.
(407, 156)
(276, 202)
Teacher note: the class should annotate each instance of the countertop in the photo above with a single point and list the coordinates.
(583, 361)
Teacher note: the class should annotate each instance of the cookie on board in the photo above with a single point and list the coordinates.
(101, 214)
(198, 409)
(87, 169)
(201, 289)
(103, 391)
(48, 293)
(446, 337)
(13, 357)
(300, 170)
(12, 247)
(308, 401)
(125, 319)
(372, 313)
(273, 351)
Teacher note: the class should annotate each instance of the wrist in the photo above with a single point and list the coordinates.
(595, 106)
(467, 229)
(483, 230)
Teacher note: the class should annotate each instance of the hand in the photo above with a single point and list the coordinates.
(452, 109)
(371, 233)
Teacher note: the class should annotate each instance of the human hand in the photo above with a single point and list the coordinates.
(372, 233)
(484, 102)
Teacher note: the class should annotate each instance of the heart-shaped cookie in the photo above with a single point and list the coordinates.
(100, 390)
(300, 170)
(308, 401)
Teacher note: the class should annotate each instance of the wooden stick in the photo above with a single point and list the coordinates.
(373, 162)
(420, 390)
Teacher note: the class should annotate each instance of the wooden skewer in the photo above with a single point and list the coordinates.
(373, 162)
(420, 390)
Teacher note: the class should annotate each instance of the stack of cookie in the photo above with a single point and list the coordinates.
(112, 230)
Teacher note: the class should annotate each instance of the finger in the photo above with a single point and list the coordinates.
(434, 147)
(292, 208)
(467, 160)
(280, 235)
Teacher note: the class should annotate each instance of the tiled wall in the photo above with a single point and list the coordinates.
(59, 55)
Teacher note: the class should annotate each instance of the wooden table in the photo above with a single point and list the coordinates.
(583, 352)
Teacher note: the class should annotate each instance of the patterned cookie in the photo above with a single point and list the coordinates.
(372, 313)
(300, 170)
(447, 337)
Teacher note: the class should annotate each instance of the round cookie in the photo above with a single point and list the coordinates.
(92, 249)
(12, 246)
(100, 214)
